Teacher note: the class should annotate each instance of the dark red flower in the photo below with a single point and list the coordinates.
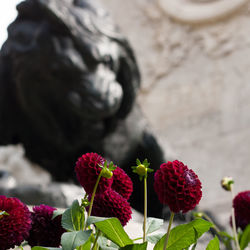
(45, 231)
(87, 170)
(177, 186)
(241, 204)
(122, 184)
(111, 204)
(14, 228)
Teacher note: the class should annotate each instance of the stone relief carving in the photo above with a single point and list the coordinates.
(172, 42)
(199, 11)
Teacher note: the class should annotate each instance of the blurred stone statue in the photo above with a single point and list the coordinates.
(68, 83)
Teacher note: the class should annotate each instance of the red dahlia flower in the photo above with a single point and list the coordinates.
(87, 170)
(177, 186)
(241, 204)
(111, 204)
(15, 226)
(45, 231)
(122, 184)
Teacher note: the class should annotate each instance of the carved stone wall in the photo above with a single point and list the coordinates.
(195, 86)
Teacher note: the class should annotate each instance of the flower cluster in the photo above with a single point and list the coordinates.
(122, 184)
(241, 204)
(17, 224)
(14, 224)
(112, 204)
(45, 231)
(177, 186)
(110, 188)
(87, 170)
(112, 194)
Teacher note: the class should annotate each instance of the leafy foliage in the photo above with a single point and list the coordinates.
(185, 235)
(142, 246)
(73, 218)
(45, 248)
(114, 231)
(214, 244)
(153, 224)
(85, 232)
(245, 237)
(72, 240)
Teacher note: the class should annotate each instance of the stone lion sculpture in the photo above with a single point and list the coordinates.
(68, 83)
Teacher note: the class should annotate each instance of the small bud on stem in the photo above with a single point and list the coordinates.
(142, 169)
(107, 171)
(226, 183)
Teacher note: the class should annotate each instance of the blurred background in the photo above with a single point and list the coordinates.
(195, 83)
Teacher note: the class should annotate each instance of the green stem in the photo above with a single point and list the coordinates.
(139, 238)
(92, 197)
(96, 238)
(93, 194)
(145, 208)
(217, 230)
(168, 232)
(233, 222)
(210, 220)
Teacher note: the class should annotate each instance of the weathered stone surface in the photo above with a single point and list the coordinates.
(17, 170)
(68, 84)
(30, 183)
(54, 194)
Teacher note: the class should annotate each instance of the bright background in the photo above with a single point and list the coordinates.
(7, 15)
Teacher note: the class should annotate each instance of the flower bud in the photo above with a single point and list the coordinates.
(106, 173)
(226, 183)
(141, 170)
(85, 202)
(198, 215)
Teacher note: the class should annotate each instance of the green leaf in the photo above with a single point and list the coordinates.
(153, 224)
(138, 162)
(245, 238)
(106, 244)
(56, 213)
(94, 219)
(201, 226)
(73, 218)
(214, 244)
(184, 235)
(112, 167)
(142, 246)
(87, 244)
(146, 163)
(71, 240)
(150, 170)
(105, 165)
(45, 248)
(114, 231)
(154, 238)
